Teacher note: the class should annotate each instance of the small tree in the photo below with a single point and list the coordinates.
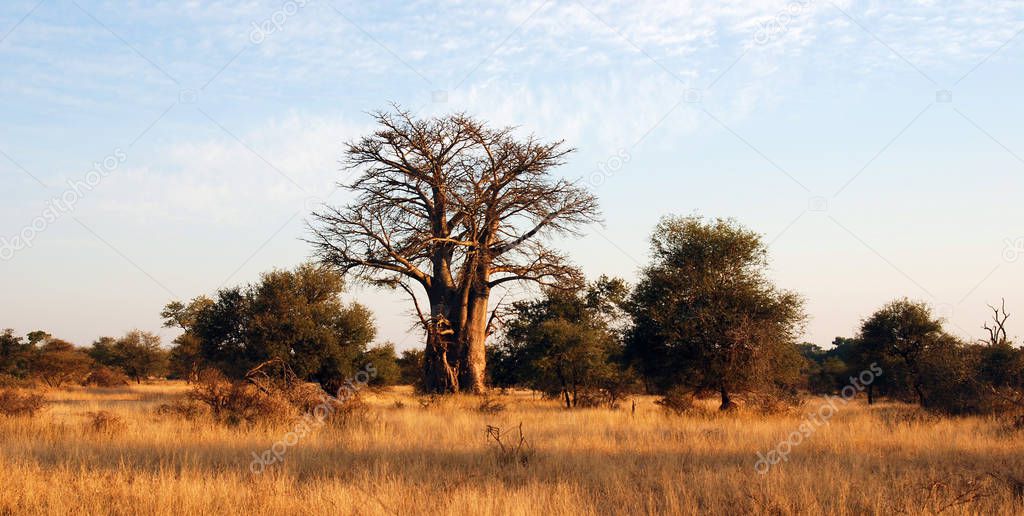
(566, 344)
(58, 362)
(185, 359)
(384, 362)
(705, 315)
(410, 367)
(103, 351)
(898, 336)
(14, 354)
(296, 317)
(140, 356)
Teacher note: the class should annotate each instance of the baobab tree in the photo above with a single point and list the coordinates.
(452, 208)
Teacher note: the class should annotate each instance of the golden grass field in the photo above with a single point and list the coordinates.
(403, 458)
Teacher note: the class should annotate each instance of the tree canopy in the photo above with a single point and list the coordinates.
(705, 314)
(295, 316)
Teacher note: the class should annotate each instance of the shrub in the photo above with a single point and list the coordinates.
(13, 404)
(429, 401)
(235, 403)
(185, 409)
(106, 423)
(14, 382)
(775, 401)
(348, 410)
(491, 406)
(104, 376)
(305, 396)
(677, 402)
(511, 447)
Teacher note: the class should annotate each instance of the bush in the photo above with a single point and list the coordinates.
(348, 410)
(491, 406)
(677, 402)
(305, 396)
(106, 377)
(106, 423)
(235, 403)
(13, 404)
(185, 409)
(510, 446)
(14, 382)
(775, 401)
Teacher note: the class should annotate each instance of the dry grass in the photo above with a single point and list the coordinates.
(406, 457)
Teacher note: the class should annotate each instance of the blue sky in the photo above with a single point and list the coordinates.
(877, 147)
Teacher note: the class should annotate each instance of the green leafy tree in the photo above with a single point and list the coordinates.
(185, 359)
(103, 352)
(14, 354)
(295, 316)
(566, 345)
(410, 367)
(57, 362)
(140, 356)
(897, 337)
(705, 315)
(384, 362)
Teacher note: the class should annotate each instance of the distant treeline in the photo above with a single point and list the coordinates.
(703, 319)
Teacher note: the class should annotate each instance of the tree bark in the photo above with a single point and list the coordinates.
(474, 335)
(726, 400)
(920, 394)
(455, 357)
(442, 355)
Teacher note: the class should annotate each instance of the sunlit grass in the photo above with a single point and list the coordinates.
(404, 458)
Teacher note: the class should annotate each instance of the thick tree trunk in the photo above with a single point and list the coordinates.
(440, 369)
(726, 400)
(455, 357)
(442, 356)
(920, 395)
(474, 335)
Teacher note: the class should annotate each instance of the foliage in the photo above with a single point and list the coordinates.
(384, 362)
(13, 404)
(104, 376)
(185, 358)
(138, 354)
(677, 401)
(58, 362)
(410, 368)
(296, 316)
(105, 422)
(898, 337)
(566, 345)
(706, 316)
(14, 355)
(238, 402)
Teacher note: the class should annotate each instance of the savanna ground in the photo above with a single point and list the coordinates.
(404, 457)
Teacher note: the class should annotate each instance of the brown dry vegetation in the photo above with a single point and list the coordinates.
(405, 457)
